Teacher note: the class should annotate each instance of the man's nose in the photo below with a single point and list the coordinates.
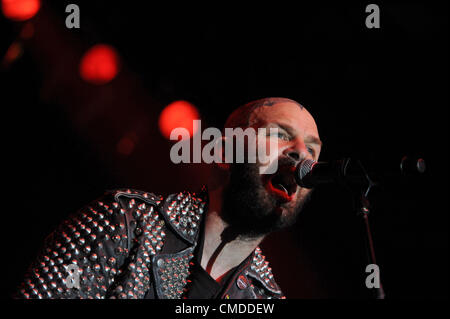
(298, 152)
(293, 154)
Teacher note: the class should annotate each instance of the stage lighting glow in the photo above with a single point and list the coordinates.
(100, 64)
(12, 54)
(125, 146)
(27, 31)
(20, 10)
(178, 114)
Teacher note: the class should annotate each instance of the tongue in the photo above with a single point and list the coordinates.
(279, 186)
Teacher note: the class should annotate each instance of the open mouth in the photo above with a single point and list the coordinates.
(283, 185)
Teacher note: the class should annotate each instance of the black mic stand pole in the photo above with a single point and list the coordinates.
(363, 210)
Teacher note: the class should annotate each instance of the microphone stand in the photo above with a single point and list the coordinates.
(352, 175)
(363, 210)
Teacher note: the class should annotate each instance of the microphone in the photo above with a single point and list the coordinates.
(310, 173)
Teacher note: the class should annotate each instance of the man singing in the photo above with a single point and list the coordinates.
(133, 244)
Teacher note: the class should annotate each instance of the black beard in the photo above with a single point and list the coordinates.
(248, 208)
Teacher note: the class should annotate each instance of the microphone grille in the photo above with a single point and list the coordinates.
(305, 167)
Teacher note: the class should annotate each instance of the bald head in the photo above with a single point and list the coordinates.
(285, 114)
(241, 117)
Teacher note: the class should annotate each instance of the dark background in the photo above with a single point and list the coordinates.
(376, 94)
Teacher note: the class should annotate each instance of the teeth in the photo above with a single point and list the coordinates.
(282, 188)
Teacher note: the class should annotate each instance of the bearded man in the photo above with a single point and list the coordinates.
(135, 244)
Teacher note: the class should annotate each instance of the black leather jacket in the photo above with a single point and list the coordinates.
(132, 244)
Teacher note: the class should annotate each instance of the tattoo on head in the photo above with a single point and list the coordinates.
(271, 101)
(241, 116)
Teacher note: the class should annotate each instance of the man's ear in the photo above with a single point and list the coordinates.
(221, 160)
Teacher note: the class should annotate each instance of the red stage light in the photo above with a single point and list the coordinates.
(100, 64)
(125, 146)
(27, 31)
(20, 10)
(178, 114)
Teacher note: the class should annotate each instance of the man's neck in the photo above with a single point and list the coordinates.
(218, 258)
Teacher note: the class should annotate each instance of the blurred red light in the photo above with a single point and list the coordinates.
(100, 64)
(27, 31)
(20, 10)
(125, 146)
(178, 114)
(12, 54)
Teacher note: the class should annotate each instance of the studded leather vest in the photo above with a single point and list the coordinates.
(131, 243)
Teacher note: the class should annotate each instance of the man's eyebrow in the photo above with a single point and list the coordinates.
(308, 139)
(313, 139)
(287, 128)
